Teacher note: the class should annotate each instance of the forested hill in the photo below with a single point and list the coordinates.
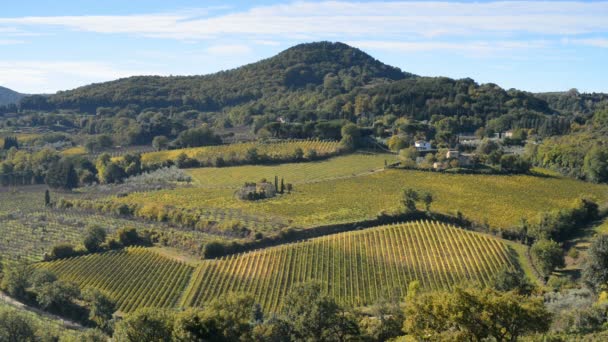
(300, 68)
(310, 82)
(8, 96)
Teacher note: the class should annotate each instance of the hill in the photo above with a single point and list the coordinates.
(295, 69)
(308, 82)
(8, 96)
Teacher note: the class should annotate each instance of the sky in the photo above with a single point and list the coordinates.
(48, 46)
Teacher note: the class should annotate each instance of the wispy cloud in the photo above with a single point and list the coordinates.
(354, 19)
(594, 42)
(31, 76)
(469, 48)
(231, 49)
(10, 41)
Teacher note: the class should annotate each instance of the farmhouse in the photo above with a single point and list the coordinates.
(422, 145)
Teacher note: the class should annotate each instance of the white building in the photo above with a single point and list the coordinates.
(422, 145)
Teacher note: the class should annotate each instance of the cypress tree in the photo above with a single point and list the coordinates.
(282, 186)
(47, 198)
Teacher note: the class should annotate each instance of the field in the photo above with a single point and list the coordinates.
(29, 229)
(501, 201)
(134, 277)
(295, 173)
(355, 267)
(238, 152)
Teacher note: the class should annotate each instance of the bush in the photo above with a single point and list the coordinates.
(61, 251)
(214, 249)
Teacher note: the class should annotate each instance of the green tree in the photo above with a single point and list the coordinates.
(160, 142)
(62, 250)
(409, 199)
(47, 198)
(547, 256)
(428, 200)
(16, 327)
(474, 315)
(511, 279)
(62, 174)
(316, 317)
(57, 295)
(94, 237)
(396, 143)
(128, 236)
(101, 307)
(595, 164)
(15, 279)
(146, 324)
(351, 136)
(595, 271)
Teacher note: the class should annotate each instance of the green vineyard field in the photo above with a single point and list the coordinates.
(295, 173)
(134, 277)
(356, 268)
(238, 152)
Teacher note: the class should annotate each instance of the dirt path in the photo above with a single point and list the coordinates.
(22, 306)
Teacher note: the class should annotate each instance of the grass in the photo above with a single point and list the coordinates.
(498, 200)
(74, 151)
(295, 173)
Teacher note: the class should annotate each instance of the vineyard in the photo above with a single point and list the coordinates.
(238, 152)
(29, 229)
(134, 277)
(500, 201)
(295, 173)
(355, 268)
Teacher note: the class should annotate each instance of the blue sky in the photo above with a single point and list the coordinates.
(48, 46)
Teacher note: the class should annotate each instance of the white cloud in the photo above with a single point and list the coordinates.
(595, 42)
(42, 76)
(10, 41)
(469, 48)
(229, 50)
(352, 19)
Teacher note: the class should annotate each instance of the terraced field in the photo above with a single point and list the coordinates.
(134, 277)
(355, 267)
(238, 152)
(499, 200)
(295, 173)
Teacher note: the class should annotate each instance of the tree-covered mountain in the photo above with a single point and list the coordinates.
(8, 96)
(301, 68)
(304, 84)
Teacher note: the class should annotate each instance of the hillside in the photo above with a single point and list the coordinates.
(308, 82)
(8, 96)
(295, 69)
(355, 268)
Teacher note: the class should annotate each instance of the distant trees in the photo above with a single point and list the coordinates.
(10, 142)
(194, 137)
